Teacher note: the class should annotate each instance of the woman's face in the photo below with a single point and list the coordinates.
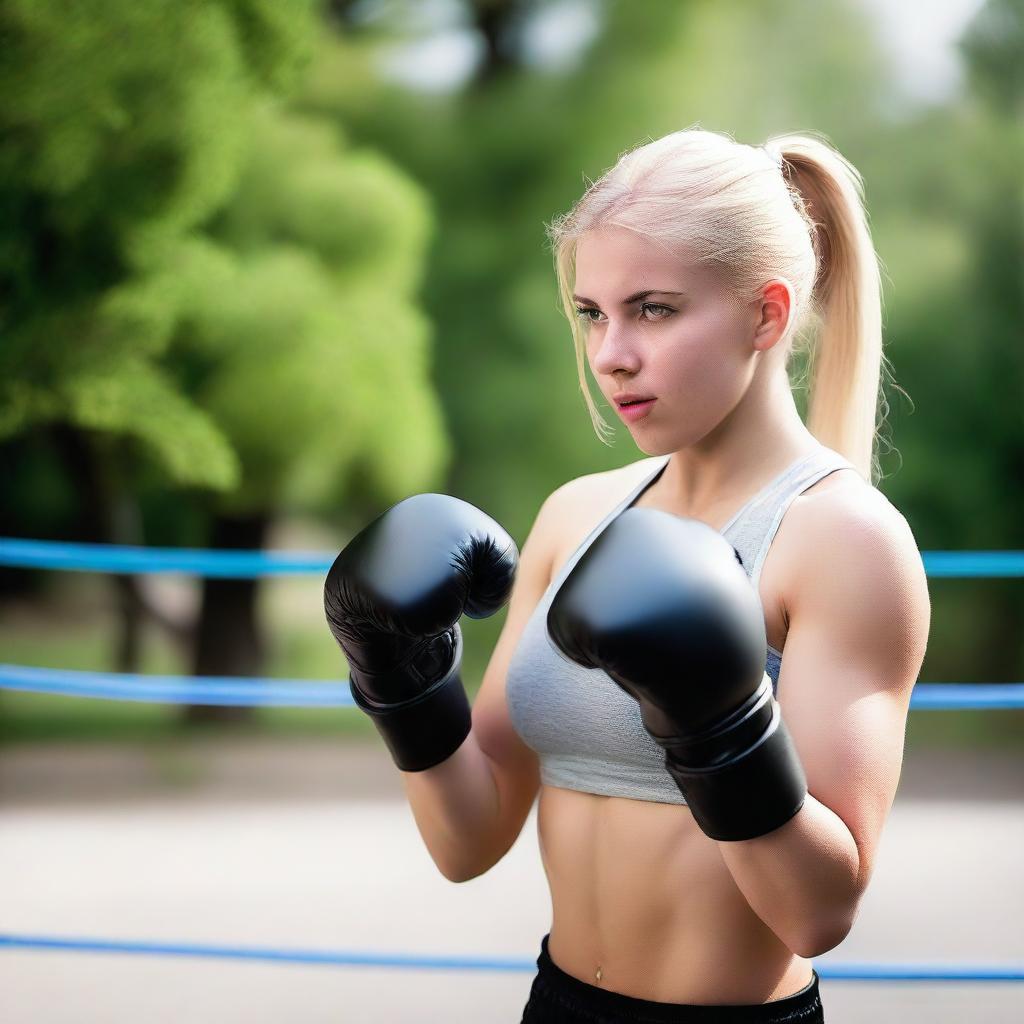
(689, 344)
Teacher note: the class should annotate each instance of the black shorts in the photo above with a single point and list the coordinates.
(557, 996)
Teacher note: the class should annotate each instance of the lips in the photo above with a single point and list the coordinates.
(632, 412)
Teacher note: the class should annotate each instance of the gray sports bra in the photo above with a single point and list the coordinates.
(585, 729)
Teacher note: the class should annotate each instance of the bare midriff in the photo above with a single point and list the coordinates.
(643, 904)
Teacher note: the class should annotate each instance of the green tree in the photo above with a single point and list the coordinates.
(122, 126)
(209, 298)
(296, 329)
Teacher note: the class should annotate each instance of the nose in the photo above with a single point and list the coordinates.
(614, 348)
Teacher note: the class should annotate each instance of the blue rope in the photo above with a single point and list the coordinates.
(352, 958)
(978, 564)
(966, 696)
(313, 693)
(47, 554)
(301, 956)
(307, 693)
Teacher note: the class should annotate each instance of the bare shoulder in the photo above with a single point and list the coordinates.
(850, 543)
(608, 482)
(844, 509)
(578, 505)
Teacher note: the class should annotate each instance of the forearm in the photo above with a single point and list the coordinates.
(456, 808)
(802, 879)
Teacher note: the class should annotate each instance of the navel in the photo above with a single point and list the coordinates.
(597, 974)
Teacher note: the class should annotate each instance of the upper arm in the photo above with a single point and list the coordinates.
(858, 627)
(515, 766)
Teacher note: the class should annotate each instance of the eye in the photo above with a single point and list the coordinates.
(667, 311)
(664, 312)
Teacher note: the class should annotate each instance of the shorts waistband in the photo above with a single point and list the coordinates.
(804, 1005)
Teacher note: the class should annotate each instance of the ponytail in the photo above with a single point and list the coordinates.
(846, 405)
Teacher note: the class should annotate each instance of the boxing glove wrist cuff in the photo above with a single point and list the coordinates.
(427, 729)
(750, 795)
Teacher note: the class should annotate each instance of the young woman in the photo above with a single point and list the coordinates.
(714, 771)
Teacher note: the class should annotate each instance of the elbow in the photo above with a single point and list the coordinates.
(467, 875)
(822, 935)
(456, 876)
(474, 863)
(465, 872)
(453, 872)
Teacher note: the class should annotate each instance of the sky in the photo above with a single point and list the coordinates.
(441, 52)
(920, 37)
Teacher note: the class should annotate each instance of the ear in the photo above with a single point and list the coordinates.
(772, 310)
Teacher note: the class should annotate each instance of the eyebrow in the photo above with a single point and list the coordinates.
(632, 298)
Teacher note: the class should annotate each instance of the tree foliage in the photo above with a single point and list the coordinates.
(186, 264)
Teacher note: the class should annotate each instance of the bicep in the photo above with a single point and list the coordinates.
(856, 641)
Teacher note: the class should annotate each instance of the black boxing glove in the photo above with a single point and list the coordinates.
(662, 605)
(393, 598)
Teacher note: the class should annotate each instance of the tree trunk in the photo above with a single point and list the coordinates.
(107, 515)
(228, 638)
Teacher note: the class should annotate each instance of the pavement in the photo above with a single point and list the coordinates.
(310, 844)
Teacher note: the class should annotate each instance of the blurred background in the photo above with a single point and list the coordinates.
(269, 266)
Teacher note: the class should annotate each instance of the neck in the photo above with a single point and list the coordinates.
(754, 443)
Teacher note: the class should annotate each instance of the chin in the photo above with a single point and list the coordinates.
(652, 446)
(651, 449)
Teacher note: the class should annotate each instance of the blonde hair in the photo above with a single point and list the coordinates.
(730, 205)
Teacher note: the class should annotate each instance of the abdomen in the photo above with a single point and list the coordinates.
(639, 890)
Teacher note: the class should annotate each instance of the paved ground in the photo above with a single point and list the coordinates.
(310, 845)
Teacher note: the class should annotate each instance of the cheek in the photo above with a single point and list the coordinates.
(700, 361)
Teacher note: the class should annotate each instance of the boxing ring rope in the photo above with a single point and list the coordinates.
(115, 558)
(106, 558)
(312, 693)
(355, 958)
